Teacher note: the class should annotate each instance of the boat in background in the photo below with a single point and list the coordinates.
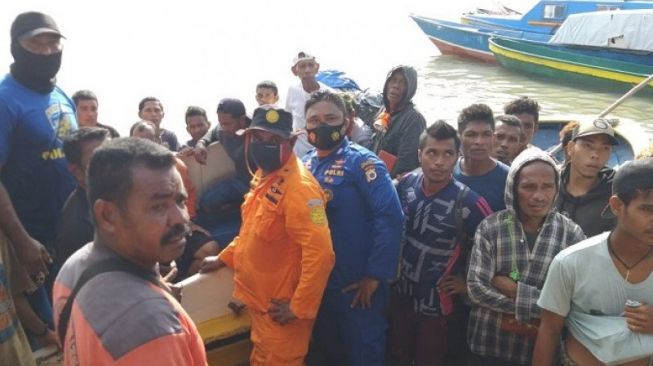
(612, 49)
(468, 41)
(547, 15)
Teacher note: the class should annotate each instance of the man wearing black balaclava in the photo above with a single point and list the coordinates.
(35, 115)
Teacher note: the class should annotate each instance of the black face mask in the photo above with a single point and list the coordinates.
(37, 72)
(325, 137)
(266, 155)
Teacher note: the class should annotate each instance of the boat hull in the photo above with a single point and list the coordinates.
(466, 41)
(567, 64)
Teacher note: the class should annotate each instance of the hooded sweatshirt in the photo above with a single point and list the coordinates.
(406, 125)
(586, 210)
(501, 249)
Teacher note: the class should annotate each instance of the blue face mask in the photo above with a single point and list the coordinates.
(266, 155)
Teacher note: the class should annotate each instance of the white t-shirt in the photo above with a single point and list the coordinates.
(295, 103)
(584, 286)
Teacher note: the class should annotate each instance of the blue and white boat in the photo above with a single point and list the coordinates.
(547, 15)
(470, 38)
(468, 41)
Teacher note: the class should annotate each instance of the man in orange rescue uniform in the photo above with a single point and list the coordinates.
(283, 255)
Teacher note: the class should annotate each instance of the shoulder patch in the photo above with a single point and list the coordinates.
(370, 174)
(315, 202)
(316, 211)
(367, 163)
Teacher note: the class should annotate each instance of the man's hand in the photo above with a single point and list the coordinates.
(639, 319)
(200, 153)
(365, 289)
(211, 264)
(185, 151)
(378, 126)
(280, 311)
(505, 285)
(453, 285)
(165, 270)
(175, 289)
(33, 256)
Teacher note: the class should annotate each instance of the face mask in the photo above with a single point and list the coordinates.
(35, 71)
(325, 137)
(268, 155)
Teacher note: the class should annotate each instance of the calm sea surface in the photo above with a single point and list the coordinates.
(197, 52)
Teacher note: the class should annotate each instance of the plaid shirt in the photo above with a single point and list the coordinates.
(492, 255)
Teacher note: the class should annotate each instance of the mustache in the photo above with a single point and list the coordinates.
(177, 230)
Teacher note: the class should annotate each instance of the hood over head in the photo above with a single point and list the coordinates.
(525, 157)
(410, 74)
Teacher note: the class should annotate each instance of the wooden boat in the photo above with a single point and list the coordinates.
(207, 297)
(468, 41)
(547, 15)
(571, 64)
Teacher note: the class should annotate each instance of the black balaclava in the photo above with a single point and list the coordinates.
(34, 71)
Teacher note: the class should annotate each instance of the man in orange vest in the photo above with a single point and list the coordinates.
(283, 255)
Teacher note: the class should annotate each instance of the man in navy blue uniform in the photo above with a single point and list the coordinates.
(365, 219)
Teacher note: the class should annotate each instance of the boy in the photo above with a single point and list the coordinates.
(267, 93)
(197, 125)
(305, 67)
(601, 289)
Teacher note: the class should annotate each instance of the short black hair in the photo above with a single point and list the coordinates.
(141, 104)
(523, 105)
(440, 130)
(510, 120)
(140, 126)
(268, 84)
(83, 95)
(111, 169)
(72, 144)
(326, 96)
(475, 112)
(628, 197)
(193, 111)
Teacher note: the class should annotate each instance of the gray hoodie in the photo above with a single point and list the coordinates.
(406, 125)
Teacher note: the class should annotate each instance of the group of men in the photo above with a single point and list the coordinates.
(436, 246)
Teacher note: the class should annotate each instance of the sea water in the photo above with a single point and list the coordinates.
(197, 52)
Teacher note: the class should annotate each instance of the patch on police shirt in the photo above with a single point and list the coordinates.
(370, 174)
(367, 163)
(317, 213)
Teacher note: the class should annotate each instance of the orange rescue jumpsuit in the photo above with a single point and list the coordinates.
(283, 251)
